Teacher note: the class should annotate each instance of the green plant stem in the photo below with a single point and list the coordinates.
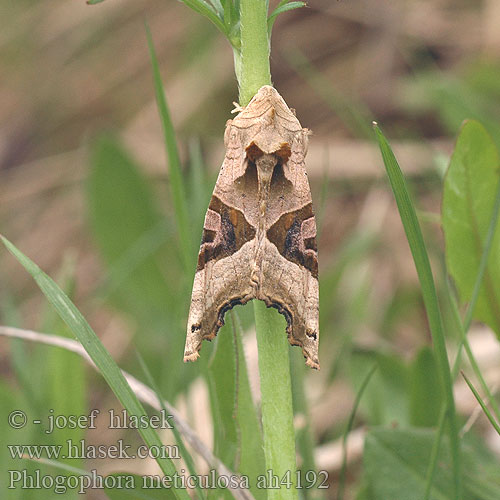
(253, 71)
(276, 394)
(252, 68)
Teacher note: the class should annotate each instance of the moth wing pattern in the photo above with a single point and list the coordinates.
(223, 272)
(259, 236)
(290, 261)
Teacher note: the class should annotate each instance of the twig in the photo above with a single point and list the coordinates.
(143, 392)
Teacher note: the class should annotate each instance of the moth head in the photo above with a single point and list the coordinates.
(266, 92)
(271, 144)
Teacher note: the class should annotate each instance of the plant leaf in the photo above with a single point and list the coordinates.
(176, 181)
(122, 212)
(207, 10)
(350, 423)
(133, 237)
(423, 267)
(396, 460)
(237, 435)
(470, 190)
(97, 352)
(283, 6)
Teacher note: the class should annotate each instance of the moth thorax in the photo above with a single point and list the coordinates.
(265, 167)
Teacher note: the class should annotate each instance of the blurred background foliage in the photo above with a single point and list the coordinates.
(84, 192)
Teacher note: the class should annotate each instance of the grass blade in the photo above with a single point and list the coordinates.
(348, 428)
(487, 412)
(464, 342)
(97, 352)
(422, 264)
(177, 188)
(184, 453)
(237, 436)
(304, 439)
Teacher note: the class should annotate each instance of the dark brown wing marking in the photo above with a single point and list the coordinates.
(225, 231)
(294, 235)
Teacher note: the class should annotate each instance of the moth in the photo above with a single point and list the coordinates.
(259, 236)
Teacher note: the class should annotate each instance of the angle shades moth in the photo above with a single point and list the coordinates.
(259, 236)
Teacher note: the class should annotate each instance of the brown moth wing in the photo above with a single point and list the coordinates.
(222, 277)
(259, 238)
(223, 273)
(290, 261)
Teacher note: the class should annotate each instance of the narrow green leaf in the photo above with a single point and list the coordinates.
(487, 412)
(200, 187)
(463, 329)
(235, 12)
(434, 455)
(122, 211)
(177, 188)
(59, 465)
(94, 2)
(64, 372)
(99, 355)
(183, 451)
(217, 5)
(251, 453)
(228, 11)
(205, 9)
(350, 422)
(282, 7)
(469, 195)
(304, 436)
(237, 435)
(422, 264)
(134, 239)
(223, 384)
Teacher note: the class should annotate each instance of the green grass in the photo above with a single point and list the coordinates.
(422, 264)
(99, 355)
(412, 449)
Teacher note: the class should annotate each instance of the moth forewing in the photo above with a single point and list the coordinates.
(259, 236)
